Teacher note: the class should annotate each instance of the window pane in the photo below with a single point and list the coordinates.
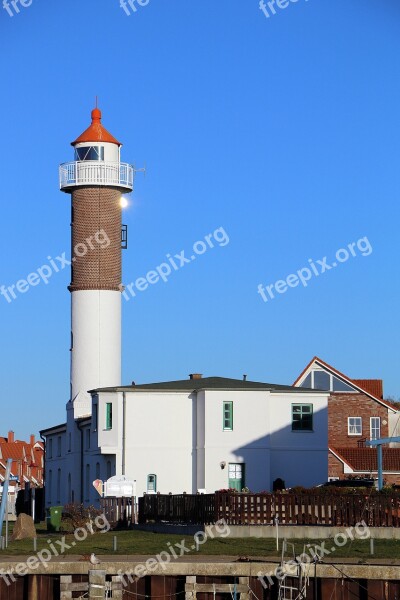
(354, 426)
(89, 153)
(302, 417)
(307, 382)
(375, 428)
(322, 380)
(340, 386)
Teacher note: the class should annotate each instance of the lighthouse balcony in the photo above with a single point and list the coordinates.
(94, 172)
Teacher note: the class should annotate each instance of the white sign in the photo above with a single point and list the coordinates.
(119, 487)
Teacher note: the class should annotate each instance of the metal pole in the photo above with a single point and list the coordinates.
(33, 498)
(380, 473)
(7, 521)
(4, 497)
(277, 533)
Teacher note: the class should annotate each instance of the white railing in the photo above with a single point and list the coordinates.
(94, 172)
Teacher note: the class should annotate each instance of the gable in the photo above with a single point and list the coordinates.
(318, 375)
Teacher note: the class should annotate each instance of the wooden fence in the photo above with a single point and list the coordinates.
(183, 508)
(120, 512)
(262, 509)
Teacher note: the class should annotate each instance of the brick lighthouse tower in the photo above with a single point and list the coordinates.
(96, 179)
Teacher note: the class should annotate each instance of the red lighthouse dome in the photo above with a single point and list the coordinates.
(96, 132)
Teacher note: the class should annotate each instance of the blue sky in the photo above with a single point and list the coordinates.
(282, 130)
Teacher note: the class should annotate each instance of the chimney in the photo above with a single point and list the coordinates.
(244, 377)
(195, 375)
(32, 440)
(10, 437)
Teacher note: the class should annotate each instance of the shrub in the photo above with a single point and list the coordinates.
(78, 515)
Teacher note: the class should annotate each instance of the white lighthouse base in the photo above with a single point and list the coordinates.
(95, 345)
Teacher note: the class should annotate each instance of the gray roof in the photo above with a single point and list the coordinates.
(206, 383)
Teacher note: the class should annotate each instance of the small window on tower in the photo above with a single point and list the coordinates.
(89, 153)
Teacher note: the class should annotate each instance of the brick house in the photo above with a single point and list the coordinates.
(356, 412)
(27, 461)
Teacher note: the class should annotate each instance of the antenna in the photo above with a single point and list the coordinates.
(96, 101)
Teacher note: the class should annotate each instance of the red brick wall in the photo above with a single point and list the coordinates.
(341, 406)
(335, 467)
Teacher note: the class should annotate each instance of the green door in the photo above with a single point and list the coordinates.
(236, 476)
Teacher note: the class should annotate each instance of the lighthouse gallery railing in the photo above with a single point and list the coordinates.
(92, 172)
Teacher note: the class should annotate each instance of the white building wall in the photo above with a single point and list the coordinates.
(179, 437)
(246, 443)
(159, 438)
(299, 457)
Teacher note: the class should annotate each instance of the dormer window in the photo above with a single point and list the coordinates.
(89, 153)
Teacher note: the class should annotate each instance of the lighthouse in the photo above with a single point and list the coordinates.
(95, 181)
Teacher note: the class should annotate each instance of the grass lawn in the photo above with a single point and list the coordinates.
(145, 543)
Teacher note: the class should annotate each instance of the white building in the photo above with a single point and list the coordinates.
(197, 434)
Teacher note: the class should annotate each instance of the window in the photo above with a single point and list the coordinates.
(59, 445)
(228, 416)
(375, 428)
(354, 426)
(108, 415)
(87, 439)
(87, 482)
(50, 448)
(98, 470)
(151, 484)
(49, 486)
(108, 469)
(302, 417)
(89, 153)
(340, 386)
(94, 417)
(59, 486)
(322, 380)
(318, 379)
(69, 442)
(307, 382)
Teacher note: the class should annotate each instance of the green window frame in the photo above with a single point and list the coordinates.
(109, 415)
(302, 417)
(227, 421)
